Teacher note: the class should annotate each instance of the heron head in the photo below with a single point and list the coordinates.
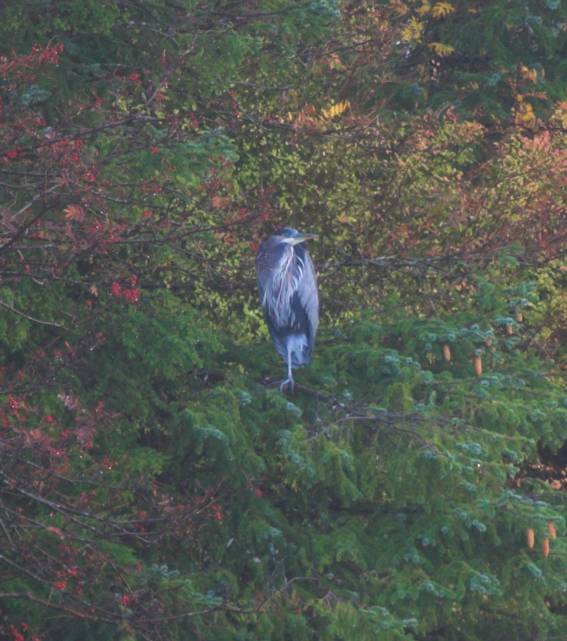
(293, 237)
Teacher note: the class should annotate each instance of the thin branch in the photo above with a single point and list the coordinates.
(250, 15)
(425, 262)
(389, 418)
(28, 317)
(22, 230)
(63, 608)
(34, 199)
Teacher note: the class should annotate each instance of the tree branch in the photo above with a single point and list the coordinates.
(28, 317)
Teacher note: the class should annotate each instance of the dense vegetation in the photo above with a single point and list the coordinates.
(154, 483)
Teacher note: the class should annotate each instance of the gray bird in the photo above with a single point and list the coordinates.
(288, 295)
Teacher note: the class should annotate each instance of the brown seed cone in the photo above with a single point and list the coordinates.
(530, 535)
(552, 531)
(545, 547)
(509, 330)
(447, 352)
(519, 315)
(477, 362)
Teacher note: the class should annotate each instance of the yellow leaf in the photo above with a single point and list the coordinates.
(524, 114)
(441, 49)
(335, 110)
(425, 8)
(528, 74)
(334, 61)
(122, 104)
(442, 9)
(413, 31)
(399, 7)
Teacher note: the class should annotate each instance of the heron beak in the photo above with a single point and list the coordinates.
(301, 239)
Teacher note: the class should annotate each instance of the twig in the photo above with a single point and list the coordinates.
(50, 604)
(36, 197)
(389, 418)
(28, 317)
(22, 230)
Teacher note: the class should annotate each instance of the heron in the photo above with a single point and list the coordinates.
(288, 294)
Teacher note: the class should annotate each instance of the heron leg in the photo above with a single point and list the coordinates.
(289, 380)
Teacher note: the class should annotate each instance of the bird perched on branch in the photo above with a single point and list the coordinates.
(288, 295)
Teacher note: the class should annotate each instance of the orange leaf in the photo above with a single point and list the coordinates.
(220, 202)
(56, 531)
(74, 212)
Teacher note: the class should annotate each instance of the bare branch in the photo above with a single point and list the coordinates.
(28, 317)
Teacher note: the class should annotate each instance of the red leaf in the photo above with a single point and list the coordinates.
(131, 296)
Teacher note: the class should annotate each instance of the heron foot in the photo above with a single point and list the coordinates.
(288, 382)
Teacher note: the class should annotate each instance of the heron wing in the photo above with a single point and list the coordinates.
(308, 296)
(267, 259)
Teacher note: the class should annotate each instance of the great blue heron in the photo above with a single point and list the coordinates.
(288, 295)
